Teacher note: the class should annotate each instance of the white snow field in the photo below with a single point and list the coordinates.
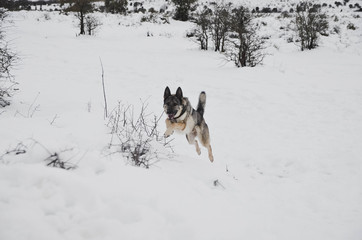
(286, 135)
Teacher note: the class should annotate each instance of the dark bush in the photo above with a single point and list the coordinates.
(338, 4)
(152, 10)
(183, 8)
(285, 14)
(266, 10)
(116, 6)
(351, 26)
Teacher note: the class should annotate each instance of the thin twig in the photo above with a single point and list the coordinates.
(104, 92)
(32, 110)
(54, 118)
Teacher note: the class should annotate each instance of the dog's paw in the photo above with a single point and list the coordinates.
(167, 134)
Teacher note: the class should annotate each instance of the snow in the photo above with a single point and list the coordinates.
(285, 135)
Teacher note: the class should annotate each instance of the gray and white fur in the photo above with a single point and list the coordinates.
(184, 119)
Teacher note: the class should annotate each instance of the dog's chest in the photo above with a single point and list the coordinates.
(189, 126)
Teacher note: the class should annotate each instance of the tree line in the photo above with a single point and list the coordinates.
(233, 30)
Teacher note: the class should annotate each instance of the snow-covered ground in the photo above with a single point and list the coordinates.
(286, 136)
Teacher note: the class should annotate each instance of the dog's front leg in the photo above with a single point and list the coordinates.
(171, 127)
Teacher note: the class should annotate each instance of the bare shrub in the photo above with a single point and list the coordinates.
(8, 59)
(31, 150)
(310, 22)
(137, 138)
(46, 16)
(336, 30)
(351, 26)
(20, 148)
(55, 160)
(32, 109)
(150, 17)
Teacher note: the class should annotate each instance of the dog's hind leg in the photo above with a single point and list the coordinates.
(211, 156)
(191, 139)
(203, 136)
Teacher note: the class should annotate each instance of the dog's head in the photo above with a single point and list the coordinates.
(172, 103)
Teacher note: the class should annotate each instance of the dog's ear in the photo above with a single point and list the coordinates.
(167, 93)
(179, 93)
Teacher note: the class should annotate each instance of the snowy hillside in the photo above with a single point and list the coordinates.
(286, 135)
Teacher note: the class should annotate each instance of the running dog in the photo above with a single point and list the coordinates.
(183, 118)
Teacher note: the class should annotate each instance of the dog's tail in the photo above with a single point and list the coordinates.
(201, 105)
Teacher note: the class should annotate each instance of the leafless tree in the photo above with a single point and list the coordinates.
(92, 24)
(310, 22)
(81, 8)
(202, 32)
(220, 25)
(245, 47)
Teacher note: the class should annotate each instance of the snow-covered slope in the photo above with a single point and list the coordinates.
(286, 136)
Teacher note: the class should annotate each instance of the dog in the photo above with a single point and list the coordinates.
(183, 118)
